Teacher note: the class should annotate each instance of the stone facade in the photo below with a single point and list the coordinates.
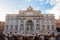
(29, 22)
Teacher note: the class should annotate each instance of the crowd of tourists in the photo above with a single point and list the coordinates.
(37, 37)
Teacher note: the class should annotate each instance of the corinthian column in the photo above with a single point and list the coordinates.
(34, 26)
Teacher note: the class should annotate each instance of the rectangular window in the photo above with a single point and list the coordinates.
(52, 26)
(37, 27)
(16, 27)
(52, 21)
(7, 27)
(48, 27)
(43, 28)
(11, 27)
(21, 27)
(7, 20)
(32, 28)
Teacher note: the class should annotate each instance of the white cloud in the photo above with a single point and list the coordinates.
(55, 10)
(40, 0)
(28, 0)
(52, 2)
(2, 12)
(47, 1)
(2, 15)
(4, 9)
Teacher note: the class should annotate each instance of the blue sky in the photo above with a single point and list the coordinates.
(13, 7)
